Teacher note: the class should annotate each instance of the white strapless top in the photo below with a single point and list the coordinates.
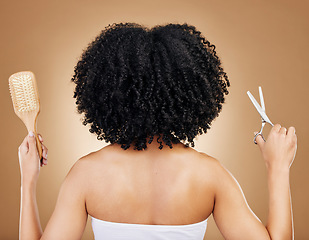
(104, 230)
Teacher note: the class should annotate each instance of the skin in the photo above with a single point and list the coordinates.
(169, 186)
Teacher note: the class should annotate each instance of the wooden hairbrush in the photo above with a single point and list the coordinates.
(26, 102)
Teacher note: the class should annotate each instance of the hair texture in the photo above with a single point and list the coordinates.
(133, 82)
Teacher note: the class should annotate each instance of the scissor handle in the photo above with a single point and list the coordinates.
(256, 136)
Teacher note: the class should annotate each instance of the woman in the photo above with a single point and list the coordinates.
(141, 88)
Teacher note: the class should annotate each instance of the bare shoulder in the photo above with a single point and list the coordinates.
(92, 157)
(219, 174)
(80, 164)
(92, 165)
(209, 159)
(224, 181)
(82, 169)
(212, 163)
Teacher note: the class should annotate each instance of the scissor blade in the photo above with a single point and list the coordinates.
(258, 108)
(255, 103)
(262, 99)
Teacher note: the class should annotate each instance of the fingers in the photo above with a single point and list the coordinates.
(292, 136)
(23, 147)
(283, 130)
(259, 140)
(44, 155)
(40, 137)
(276, 127)
(32, 143)
(28, 146)
(291, 131)
(44, 151)
(44, 162)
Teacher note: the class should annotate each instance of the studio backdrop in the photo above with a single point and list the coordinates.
(261, 43)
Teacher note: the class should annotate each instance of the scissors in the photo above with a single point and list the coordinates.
(261, 110)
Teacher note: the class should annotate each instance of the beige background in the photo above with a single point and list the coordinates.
(260, 43)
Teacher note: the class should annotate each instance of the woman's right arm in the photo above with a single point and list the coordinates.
(232, 214)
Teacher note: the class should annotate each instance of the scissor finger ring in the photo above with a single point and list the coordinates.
(256, 136)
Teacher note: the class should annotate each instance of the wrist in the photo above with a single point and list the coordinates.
(273, 169)
(276, 174)
(28, 185)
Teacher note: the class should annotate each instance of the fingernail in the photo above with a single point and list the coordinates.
(31, 134)
(46, 155)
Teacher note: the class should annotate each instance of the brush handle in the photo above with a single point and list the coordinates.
(38, 145)
(38, 142)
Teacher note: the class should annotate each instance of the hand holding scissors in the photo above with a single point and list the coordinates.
(261, 110)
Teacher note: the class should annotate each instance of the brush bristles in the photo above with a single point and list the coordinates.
(23, 93)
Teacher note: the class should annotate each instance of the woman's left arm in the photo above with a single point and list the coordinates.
(70, 215)
(29, 221)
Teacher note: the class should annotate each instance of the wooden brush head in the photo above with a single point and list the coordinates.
(24, 93)
(25, 98)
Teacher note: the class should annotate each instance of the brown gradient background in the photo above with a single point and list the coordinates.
(261, 43)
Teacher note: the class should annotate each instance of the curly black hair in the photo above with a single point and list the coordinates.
(133, 82)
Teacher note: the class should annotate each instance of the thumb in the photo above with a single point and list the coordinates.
(259, 140)
(32, 142)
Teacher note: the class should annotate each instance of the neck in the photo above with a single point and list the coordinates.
(154, 145)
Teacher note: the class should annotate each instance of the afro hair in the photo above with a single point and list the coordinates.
(133, 82)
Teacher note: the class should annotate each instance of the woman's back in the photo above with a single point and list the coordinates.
(164, 187)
